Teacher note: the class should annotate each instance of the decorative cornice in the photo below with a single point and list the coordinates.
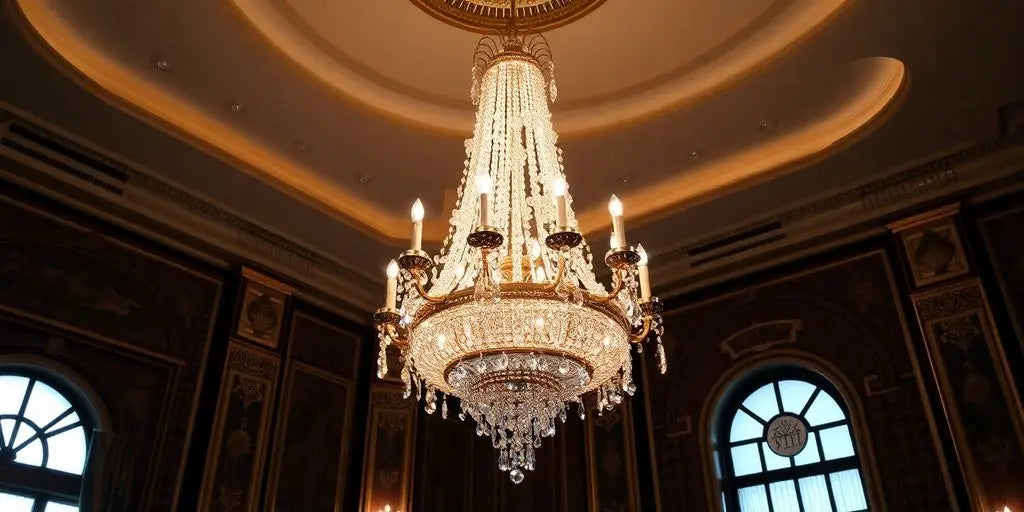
(140, 188)
(875, 200)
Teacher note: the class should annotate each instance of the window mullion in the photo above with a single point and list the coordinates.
(21, 411)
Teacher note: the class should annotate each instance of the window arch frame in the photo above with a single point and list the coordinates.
(730, 403)
(37, 482)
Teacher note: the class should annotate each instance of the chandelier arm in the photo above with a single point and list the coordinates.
(619, 282)
(642, 335)
(418, 279)
(560, 275)
(399, 336)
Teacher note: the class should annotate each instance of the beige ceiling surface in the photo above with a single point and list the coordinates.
(416, 69)
(877, 86)
(296, 132)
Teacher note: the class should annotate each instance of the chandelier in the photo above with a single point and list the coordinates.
(509, 317)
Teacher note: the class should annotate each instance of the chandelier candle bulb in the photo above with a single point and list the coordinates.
(417, 226)
(645, 277)
(618, 226)
(391, 297)
(560, 203)
(483, 186)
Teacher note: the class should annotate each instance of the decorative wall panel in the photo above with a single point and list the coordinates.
(391, 430)
(240, 430)
(262, 311)
(843, 314)
(310, 465)
(983, 406)
(611, 461)
(133, 324)
(1005, 246)
(311, 457)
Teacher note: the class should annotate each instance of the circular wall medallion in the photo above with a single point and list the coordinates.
(492, 15)
(786, 435)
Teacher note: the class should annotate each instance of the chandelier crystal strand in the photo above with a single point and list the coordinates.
(510, 318)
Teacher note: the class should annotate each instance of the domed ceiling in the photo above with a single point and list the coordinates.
(357, 107)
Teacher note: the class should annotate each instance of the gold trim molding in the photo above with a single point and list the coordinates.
(491, 15)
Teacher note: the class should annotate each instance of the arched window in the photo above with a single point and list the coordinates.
(784, 444)
(44, 439)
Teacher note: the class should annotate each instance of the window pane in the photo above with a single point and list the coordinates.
(848, 490)
(45, 404)
(809, 455)
(784, 497)
(753, 499)
(746, 460)
(67, 451)
(814, 494)
(15, 503)
(32, 454)
(824, 410)
(744, 427)
(12, 391)
(795, 394)
(7, 426)
(60, 507)
(836, 442)
(773, 461)
(762, 402)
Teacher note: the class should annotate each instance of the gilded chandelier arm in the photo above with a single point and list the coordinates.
(399, 336)
(642, 334)
(560, 273)
(616, 288)
(417, 277)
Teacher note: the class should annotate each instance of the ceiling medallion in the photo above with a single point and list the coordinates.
(509, 317)
(494, 15)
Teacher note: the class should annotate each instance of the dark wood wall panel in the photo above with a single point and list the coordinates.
(311, 460)
(844, 314)
(133, 324)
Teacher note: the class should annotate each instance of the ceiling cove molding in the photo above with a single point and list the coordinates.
(786, 24)
(43, 153)
(841, 217)
(142, 98)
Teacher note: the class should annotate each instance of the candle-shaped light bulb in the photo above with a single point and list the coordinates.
(417, 226)
(613, 241)
(645, 278)
(484, 186)
(391, 297)
(615, 208)
(561, 207)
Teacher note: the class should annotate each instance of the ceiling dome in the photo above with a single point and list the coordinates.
(491, 15)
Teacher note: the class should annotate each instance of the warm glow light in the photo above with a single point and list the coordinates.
(559, 186)
(392, 269)
(643, 255)
(484, 184)
(613, 241)
(615, 206)
(417, 211)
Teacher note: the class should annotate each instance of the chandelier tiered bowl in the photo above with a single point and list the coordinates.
(509, 317)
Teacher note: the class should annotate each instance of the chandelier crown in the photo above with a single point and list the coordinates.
(508, 316)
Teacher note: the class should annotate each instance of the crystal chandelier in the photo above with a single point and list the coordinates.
(509, 316)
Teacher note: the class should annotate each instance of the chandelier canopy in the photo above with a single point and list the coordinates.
(509, 316)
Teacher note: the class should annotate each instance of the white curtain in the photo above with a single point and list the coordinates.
(848, 490)
(753, 499)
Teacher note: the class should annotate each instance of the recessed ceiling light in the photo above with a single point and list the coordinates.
(767, 125)
(694, 155)
(236, 106)
(162, 63)
(302, 145)
(364, 179)
(625, 179)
